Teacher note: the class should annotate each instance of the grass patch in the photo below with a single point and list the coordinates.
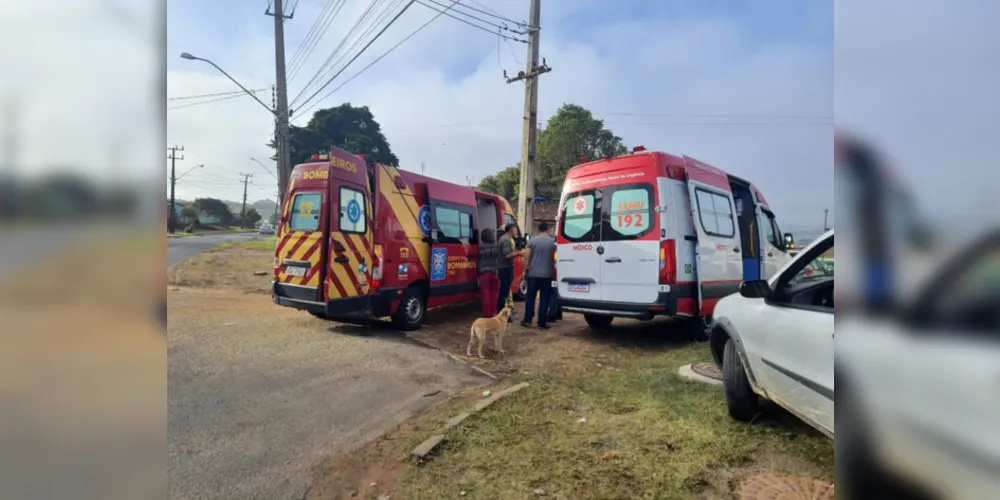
(261, 244)
(648, 434)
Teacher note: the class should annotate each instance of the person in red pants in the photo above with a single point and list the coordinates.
(490, 258)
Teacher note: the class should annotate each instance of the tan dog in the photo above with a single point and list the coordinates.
(480, 327)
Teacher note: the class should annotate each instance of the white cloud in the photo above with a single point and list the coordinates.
(84, 87)
(921, 82)
(471, 125)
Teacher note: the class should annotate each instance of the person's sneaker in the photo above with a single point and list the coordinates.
(526, 324)
(543, 327)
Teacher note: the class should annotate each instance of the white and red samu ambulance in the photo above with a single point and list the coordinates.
(652, 234)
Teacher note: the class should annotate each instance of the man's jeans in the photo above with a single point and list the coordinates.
(542, 287)
(506, 275)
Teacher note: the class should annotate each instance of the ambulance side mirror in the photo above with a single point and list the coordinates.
(789, 240)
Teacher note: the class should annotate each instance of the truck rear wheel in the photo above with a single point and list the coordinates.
(411, 310)
(598, 320)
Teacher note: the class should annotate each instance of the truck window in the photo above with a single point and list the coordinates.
(768, 225)
(353, 218)
(509, 219)
(715, 214)
(629, 214)
(305, 212)
(779, 240)
(578, 217)
(455, 225)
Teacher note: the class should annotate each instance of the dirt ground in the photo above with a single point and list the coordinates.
(665, 437)
(230, 267)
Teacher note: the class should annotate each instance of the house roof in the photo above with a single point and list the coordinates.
(543, 210)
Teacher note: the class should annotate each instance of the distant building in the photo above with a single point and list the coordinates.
(544, 210)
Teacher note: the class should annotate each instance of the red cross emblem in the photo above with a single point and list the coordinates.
(580, 205)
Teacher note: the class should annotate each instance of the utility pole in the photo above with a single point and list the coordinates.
(243, 211)
(172, 156)
(826, 212)
(281, 111)
(526, 190)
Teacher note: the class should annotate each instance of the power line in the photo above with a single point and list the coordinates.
(330, 62)
(238, 94)
(369, 44)
(379, 58)
(325, 19)
(493, 13)
(494, 24)
(474, 25)
(187, 97)
(380, 18)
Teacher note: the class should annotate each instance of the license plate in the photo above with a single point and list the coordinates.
(579, 287)
(295, 271)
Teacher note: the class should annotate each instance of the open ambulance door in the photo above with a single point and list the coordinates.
(454, 244)
(351, 255)
(719, 264)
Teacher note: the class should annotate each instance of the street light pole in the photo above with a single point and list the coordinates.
(280, 114)
(185, 55)
(264, 167)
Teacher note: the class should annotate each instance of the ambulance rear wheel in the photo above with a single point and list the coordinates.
(411, 310)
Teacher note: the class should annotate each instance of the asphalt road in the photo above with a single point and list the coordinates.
(19, 247)
(258, 394)
(179, 249)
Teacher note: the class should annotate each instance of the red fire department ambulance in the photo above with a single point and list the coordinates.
(359, 241)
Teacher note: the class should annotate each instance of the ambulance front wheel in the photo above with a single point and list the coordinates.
(411, 310)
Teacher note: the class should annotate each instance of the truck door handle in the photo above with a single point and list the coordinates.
(769, 254)
(737, 250)
(341, 259)
(613, 260)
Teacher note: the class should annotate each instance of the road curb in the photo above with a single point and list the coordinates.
(455, 358)
(425, 448)
(686, 372)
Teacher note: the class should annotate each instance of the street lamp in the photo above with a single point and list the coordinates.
(281, 133)
(264, 167)
(188, 56)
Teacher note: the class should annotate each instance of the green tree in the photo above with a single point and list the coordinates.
(189, 214)
(252, 217)
(569, 135)
(503, 183)
(214, 207)
(351, 128)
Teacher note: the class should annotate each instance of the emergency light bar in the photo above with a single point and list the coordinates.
(638, 149)
(319, 157)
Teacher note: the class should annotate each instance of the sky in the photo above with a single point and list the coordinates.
(920, 81)
(746, 86)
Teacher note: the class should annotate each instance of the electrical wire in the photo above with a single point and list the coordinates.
(474, 25)
(238, 94)
(363, 36)
(184, 98)
(323, 69)
(328, 82)
(379, 58)
(494, 13)
(466, 14)
(316, 33)
(205, 102)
